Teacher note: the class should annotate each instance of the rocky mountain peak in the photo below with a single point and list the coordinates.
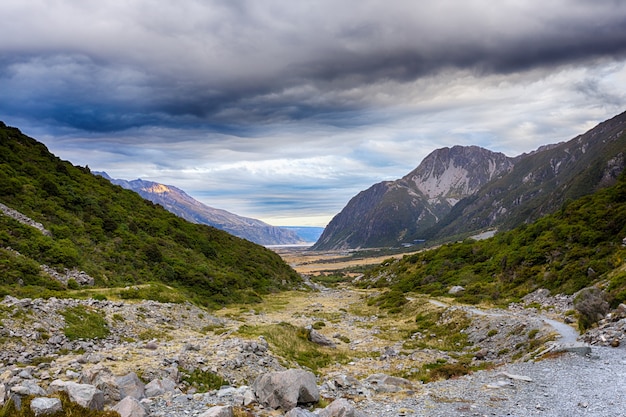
(398, 212)
(157, 189)
(454, 173)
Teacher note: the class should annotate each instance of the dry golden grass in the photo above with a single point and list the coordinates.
(305, 262)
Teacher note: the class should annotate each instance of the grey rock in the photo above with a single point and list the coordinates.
(387, 383)
(320, 339)
(26, 388)
(341, 408)
(218, 411)
(299, 412)
(130, 407)
(102, 378)
(85, 395)
(131, 385)
(42, 406)
(577, 348)
(159, 387)
(286, 389)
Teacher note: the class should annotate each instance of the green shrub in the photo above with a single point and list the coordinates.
(202, 381)
(83, 323)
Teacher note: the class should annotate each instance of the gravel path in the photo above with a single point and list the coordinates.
(568, 385)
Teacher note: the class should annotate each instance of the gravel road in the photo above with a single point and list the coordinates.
(568, 385)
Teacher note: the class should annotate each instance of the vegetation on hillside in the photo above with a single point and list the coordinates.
(576, 247)
(115, 236)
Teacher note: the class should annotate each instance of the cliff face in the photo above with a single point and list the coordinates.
(395, 212)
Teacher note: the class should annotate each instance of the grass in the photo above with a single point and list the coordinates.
(438, 329)
(291, 343)
(202, 381)
(442, 369)
(83, 323)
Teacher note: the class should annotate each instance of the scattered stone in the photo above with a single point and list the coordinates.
(320, 339)
(341, 408)
(159, 387)
(85, 395)
(218, 411)
(286, 389)
(516, 377)
(42, 406)
(130, 407)
(299, 412)
(387, 383)
(131, 385)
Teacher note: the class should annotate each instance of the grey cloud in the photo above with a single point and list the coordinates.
(224, 64)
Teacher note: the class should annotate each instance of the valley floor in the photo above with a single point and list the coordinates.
(239, 343)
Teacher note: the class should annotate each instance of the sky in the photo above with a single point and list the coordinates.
(283, 110)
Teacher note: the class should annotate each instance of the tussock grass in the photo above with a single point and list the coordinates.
(291, 343)
(84, 323)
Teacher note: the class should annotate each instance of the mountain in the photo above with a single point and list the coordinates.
(180, 203)
(543, 181)
(56, 214)
(464, 190)
(392, 212)
(576, 247)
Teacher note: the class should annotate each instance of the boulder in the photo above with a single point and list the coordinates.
(286, 389)
(218, 411)
(130, 407)
(320, 339)
(158, 387)
(341, 408)
(43, 406)
(3, 394)
(26, 388)
(85, 395)
(102, 378)
(131, 385)
(387, 383)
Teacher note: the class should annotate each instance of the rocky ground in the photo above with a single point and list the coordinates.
(164, 342)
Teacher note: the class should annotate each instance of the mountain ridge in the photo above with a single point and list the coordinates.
(183, 205)
(459, 191)
(122, 241)
(390, 212)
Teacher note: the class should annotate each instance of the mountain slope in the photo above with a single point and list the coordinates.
(115, 236)
(576, 247)
(393, 212)
(543, 181)
(180, 203)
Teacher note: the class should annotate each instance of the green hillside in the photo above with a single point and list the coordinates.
(116, 236)
(578, 246)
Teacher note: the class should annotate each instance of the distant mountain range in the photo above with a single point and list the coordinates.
(180, 203)
(459, 191)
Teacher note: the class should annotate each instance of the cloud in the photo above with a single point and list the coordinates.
(280, 103)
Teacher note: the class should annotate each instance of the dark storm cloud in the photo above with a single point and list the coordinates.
(224, 64)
